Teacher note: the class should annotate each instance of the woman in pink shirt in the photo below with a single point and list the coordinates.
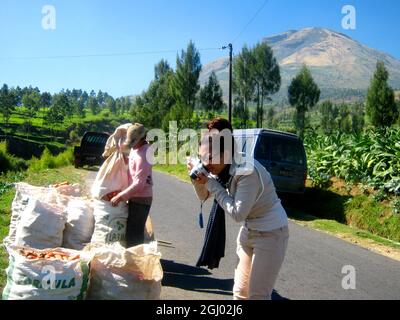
(140, 190)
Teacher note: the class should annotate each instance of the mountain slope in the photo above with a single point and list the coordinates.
(341, 66)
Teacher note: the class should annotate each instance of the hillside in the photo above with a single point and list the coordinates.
(341, 66)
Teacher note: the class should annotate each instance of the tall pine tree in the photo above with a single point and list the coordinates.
(381, 106)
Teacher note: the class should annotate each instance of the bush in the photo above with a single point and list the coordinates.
(73, 136)
(8, 162)
(49, 161)
(371, 158)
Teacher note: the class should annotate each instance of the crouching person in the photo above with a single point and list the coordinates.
(140, 190)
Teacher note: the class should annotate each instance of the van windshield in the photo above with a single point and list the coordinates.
(287, 150)
(95, 140)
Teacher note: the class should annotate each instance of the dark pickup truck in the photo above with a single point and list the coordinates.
(91, 149)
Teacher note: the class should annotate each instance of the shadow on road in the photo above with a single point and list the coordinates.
(191, 278)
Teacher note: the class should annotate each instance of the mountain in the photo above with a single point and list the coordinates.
(341, 66)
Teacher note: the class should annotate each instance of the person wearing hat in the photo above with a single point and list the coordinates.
(140, 190)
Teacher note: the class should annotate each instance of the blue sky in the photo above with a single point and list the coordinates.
(102, 27)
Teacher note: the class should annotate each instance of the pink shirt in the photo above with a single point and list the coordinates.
(140, 175)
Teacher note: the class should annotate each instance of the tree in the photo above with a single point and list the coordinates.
(7, 103)
(17, 92)
(381, 106)
(31, 101)
(84, 98)
(303, 93)
(184, 85)
(78, 107)
(126, 104)
(153, 105)
(271, 117)
(358, 118)
(211, 95)
(45, 100)
(345, 119)
(243, 79)
(65, 103)
(110, 104)
(62, 104)
(93, 105)
(329, 113)
(267, 77)
(100, 98)
(56, 112)
(161, 69)
(240, 114)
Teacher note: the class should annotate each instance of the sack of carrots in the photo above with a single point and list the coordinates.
(47, 274)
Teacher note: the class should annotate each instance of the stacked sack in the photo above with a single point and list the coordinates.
(61, 244)
(118, 273)
(49, 274)
(110, 222)
(42, 218)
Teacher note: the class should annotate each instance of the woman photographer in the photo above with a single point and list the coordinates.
(249, 198)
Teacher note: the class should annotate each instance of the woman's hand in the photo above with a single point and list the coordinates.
(202, 179)
(189, 164)
(116, 200)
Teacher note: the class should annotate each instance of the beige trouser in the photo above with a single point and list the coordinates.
(261, 255)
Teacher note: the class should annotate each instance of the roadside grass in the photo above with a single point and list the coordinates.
(341, 212)
(341, 230)
(7, 193)
(177, 170)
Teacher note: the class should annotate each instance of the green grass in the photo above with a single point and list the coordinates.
(177, 170)
(336, 228)
(40, 178)
(19, 118)
(376, 217)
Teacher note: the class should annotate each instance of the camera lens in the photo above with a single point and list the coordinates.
(193, 175)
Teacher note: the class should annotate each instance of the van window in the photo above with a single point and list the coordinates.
(245, 143)
(262, 150)
(287, 150)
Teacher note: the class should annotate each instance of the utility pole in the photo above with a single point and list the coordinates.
(230, 82)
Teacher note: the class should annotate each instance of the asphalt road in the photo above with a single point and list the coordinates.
(312, 267)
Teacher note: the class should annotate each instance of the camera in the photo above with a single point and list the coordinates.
(197, 169)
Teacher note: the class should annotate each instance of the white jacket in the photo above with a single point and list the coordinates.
(250, 198)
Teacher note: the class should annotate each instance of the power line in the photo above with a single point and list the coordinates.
(250, 21)
(100, 55)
